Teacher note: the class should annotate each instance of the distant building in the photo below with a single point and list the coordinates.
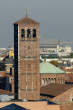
(2, 50)
(64, 50)
(3, 53)
(9, 63)
(54, 48)
(48, 46)
(11, 52)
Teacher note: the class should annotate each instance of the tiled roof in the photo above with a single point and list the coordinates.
(2, 73)
(4, 92)
(46, 67)
(13, 107)
(53, 90)
(26, 20)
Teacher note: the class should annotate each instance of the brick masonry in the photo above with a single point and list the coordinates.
(29, 63)
(52, 78)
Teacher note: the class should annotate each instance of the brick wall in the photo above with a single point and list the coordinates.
(67, 107)
(28, 64)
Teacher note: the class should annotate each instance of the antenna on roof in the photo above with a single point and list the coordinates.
(26, 13)
(29, 11)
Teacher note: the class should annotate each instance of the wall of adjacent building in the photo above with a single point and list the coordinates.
(33, 105)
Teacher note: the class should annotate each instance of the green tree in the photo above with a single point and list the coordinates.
(2, 66)
(54, 62)
(71, 55)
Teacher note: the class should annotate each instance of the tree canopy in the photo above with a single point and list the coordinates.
(2, 66)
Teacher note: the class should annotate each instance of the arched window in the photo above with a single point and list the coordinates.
(22, 33)
(29, 33)
(34, 33)
(42, 82)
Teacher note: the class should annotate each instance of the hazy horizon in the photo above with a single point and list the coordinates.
(55, 17)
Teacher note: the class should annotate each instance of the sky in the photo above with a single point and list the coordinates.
(55, 17)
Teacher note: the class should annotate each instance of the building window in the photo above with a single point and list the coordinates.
(29, 33)
(34, 33)
(22, 33)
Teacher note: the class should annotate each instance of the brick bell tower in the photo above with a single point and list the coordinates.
(27, 59)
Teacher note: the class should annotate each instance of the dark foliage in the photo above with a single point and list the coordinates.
(2, 66)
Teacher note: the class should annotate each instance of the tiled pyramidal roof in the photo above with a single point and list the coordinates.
(26, 20)
(46, 67)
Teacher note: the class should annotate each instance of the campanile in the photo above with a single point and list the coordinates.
(27, 59)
